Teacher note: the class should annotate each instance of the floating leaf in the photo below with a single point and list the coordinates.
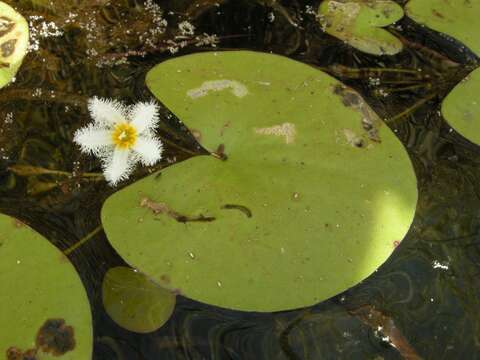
(43, 306)
(457, 18)
(359, 23)
(13, 42)
(312, 197)
(461, 108)
(135, 302)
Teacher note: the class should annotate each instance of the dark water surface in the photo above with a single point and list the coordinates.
(426, 296)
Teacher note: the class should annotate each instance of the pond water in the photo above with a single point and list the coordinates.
(422, 303)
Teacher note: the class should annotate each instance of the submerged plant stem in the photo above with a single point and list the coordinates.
(410, 88)
(83, 240)
(176, 146)
(27, 170)
(342, 70)
(45, 95)
(412, 108)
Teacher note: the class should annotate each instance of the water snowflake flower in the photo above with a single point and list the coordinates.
(121, 136)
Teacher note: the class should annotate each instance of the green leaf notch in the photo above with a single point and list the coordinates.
(134, 301)
(312, 197)
(458, 19)
(44, 308)
(13, 42)
(359, 23)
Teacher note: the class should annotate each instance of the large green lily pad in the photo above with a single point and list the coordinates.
(457, 18)
(135, 302)
(359, 23)
(313, 195)
(13, 42)
(461, 108)
(44, 309)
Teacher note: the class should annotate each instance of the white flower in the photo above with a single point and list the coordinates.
(121, 136)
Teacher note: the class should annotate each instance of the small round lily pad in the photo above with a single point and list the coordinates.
(359, 23)
(457, 18)
(13, 42)
(135, 302)
(313, 192)
(44, 308)
(461, 108)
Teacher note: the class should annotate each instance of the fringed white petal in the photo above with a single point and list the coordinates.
(93, 139)
(106, 112)
(144, 116)
(148, 150)
(119, 166)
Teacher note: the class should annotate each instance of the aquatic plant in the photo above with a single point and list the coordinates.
(458, 19)
(42, 299)
(298, 202)
(134, 301)
(359, 23)
(121, 137)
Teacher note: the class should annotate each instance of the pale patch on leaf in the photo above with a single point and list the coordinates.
(237, 88)
(286, 130)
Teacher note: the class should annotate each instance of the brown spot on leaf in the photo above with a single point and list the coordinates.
(6, 25)
(8, 47)
(224, 127)
(30, 355)
(353, 139)
(14, 353)
(220, 153)
(437, 14)
(243, 209)
(165, 279)
(161, 208)
(55, 337)
(18, 224)
(370, 121)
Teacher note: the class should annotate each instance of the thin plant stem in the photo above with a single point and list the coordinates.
(412, 108)
(176, 146)
(83, 240)
(344, 69)
(27, 170)
(409, 88)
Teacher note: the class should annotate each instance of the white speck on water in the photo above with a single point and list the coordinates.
(438, 265)
(192, 255)
(219, 283)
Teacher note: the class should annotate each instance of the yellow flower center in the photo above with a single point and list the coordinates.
(124, 135)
